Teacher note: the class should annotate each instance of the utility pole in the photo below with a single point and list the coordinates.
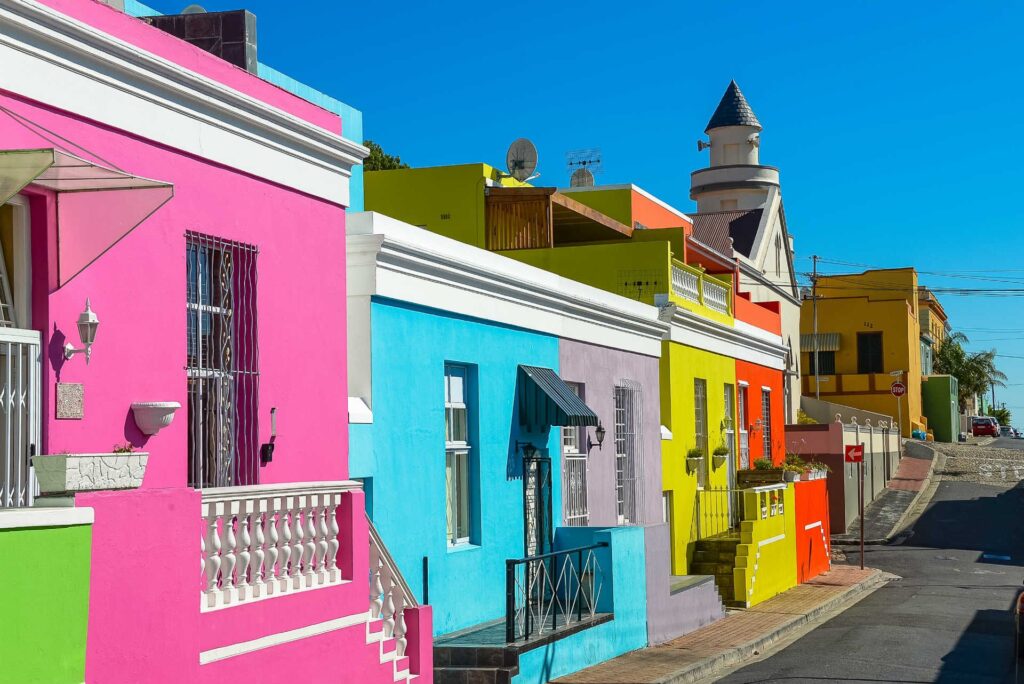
(814, 307)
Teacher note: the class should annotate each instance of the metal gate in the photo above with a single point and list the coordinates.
(628, 453)
(536, 505)
(19, 414)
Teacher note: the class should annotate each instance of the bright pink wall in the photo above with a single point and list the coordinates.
(139, 33)
(137, 290)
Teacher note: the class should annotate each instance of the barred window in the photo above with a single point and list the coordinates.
(223, 362)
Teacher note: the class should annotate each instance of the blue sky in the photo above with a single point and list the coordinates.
(894, 124)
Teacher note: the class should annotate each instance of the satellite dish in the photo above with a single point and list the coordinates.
(521, 159)
(581, 178)
(194, 9)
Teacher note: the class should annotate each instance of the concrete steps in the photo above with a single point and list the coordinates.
(717, 557)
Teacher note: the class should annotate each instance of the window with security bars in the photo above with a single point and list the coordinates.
(766, 418)
(575, 510)
(628, 452)
(741, 410)
(457, 453)
(700, 408)
(825, 365)
(223, 362)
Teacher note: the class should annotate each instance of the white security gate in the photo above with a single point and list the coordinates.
(19, 414)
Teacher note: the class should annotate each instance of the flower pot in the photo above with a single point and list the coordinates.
(153, 416)
(718, 459)
(68, 473)
(756, 478)
(693, 463)
(790, 475)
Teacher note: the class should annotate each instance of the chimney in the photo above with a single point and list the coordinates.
(229, 35)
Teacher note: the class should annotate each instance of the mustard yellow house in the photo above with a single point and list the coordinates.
(873, 329)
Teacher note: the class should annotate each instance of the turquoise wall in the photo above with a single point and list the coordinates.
(623, 592)
(351, 118)
(940, 404)
(402, 453)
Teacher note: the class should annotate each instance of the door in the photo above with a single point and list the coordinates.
(744, 435)
(19, 415)
(730, 443)
(537, 530)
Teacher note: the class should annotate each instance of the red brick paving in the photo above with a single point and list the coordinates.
(651, 665)
(911, 474)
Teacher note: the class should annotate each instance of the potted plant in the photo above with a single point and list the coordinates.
(764, 472)
(719, 455)
(791, 472)
(819, 470)
(66, 473)
(694, 457)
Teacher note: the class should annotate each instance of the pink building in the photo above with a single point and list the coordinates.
(200, 213)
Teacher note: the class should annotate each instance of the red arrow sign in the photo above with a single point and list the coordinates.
(898, 389)
(855, 453)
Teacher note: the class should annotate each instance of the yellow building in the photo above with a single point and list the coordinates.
(868, 336)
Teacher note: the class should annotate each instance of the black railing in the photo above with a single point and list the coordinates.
(717, 511)
(551, 591)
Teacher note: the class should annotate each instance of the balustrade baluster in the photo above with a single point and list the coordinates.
(376, 584)
(211, 551)
(284, 524)
(259, 554)
(389, 605)
(228, 558)
(321, 540)
(297, 546)
(244, 552)
(400, 627)
(270, 567)
(309, 548)
(333, 573)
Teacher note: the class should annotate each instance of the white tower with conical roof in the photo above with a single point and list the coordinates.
(735, 180)
(740, 193)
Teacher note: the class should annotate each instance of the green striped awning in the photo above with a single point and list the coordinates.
(545, 399)
(826, 342)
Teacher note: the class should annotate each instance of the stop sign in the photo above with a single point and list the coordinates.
(898, 389)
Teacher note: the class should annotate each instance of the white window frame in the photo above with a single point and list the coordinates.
(19, 283)
(766, 422)
(700, 429)
(575, 467)
(458, 485)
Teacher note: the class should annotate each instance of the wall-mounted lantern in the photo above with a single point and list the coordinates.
(529, 451)
(599, 433)
(267, 450)
(87, 325)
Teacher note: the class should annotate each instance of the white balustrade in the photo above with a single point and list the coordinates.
(389, 594)
(716, 296)
(269, 540)
(686, 283)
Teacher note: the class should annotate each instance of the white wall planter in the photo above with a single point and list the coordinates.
(153, 416)
(718, 460)
(64, 473)
(790, 475)
(693, 463)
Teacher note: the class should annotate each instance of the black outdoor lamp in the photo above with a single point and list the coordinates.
(599, 432)
(529, 451)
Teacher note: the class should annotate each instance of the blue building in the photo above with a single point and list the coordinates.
(457, 420)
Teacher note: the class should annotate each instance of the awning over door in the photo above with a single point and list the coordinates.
(827, 342)
(545, 399)
(91, 218)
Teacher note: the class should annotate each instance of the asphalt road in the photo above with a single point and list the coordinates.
(947, 620)
(1007, 443)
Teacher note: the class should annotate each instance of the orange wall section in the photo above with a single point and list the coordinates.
(764, 315)
(812, 529)
(653, 215)
(759, 377)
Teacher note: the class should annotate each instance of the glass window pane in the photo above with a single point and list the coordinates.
(449, 470)
(463, 495)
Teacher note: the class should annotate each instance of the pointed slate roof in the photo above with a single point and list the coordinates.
(733, 110)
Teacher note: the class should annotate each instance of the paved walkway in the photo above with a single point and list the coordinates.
(884, 515)
(735, 637)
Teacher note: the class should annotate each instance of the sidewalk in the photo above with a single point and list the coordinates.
(739, 635)
(884, 516)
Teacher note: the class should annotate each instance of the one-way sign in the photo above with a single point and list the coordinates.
(855, 453)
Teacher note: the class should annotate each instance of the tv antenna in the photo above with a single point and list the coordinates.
(521, 160)
(582, 165)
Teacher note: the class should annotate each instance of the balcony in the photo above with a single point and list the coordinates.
(692, 284)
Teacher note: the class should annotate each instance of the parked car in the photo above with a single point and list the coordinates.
(1005, 431)
(1018, 433)
(984, 425)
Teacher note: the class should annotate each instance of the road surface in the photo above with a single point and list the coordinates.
(947, 620)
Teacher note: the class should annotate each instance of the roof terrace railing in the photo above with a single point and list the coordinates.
(696, 286)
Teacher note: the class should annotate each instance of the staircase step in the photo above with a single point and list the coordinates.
(475, 675)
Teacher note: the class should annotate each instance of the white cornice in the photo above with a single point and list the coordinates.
(388, 258)
(749, 269)
(745, 342)
(52, 58)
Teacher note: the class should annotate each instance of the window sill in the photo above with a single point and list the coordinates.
(462, 547)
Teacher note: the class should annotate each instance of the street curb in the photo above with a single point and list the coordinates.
(902, 521)
(737, 654)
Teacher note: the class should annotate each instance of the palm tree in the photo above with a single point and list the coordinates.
(975, 372)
